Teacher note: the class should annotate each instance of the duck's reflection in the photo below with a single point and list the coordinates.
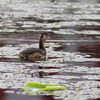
(41, 73)
(45, 72)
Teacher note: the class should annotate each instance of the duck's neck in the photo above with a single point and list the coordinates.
(41, 45)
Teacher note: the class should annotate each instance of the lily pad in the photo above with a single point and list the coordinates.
(43, 87)
(53, 88)
(33, 85)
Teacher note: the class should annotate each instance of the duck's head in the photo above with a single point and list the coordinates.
(43, 37)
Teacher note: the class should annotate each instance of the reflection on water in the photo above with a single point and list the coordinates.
(73, 52)
(81, 1)
(15, 96)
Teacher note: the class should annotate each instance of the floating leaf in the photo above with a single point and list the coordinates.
(52, 0)
(59, 61)
(33, 88)
(70, 6)
(76, 89)
(22, 57)
(33, 85)
(22, 90)
(53, 88)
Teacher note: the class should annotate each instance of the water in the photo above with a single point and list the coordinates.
(8, 96)
(73, 57)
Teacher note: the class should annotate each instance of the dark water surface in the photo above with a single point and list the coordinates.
(15, 96)
(73, 50)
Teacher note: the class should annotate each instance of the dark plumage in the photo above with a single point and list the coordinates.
(35, 52)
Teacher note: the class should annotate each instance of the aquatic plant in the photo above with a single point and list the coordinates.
(33, 88)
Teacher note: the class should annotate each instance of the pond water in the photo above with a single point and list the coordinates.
(73, 50)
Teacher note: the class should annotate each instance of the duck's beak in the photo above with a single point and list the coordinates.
(48, 37)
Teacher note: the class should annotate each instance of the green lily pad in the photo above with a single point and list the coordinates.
(33, 88)
(53, 88)
(33, 85)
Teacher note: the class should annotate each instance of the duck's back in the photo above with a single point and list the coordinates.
(32, 52)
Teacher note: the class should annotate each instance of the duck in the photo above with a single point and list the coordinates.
(35, 53)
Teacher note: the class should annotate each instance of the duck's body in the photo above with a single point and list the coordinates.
(32, 51)
(35, 52)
